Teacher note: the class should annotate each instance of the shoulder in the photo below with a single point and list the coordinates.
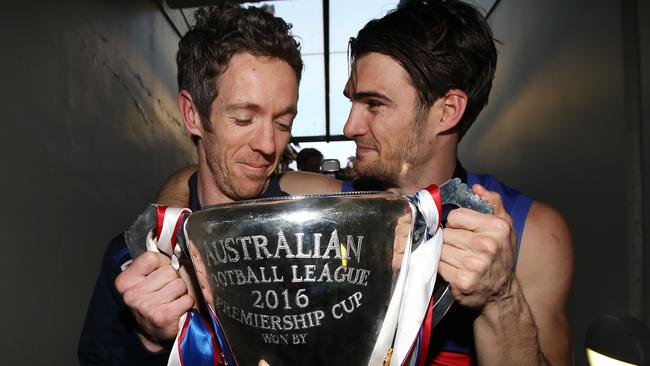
(175, 191)
(296, 183)
(546, 252)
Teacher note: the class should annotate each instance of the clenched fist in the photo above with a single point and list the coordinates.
(478, 253)
(157, 297)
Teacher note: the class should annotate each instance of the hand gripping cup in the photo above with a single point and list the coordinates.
(339, 279)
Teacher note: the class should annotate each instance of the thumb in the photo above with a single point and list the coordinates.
(494, 199)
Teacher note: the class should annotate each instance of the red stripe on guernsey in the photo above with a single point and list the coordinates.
(160, 218)
(435, 193)
(451, 359)
(426, 334)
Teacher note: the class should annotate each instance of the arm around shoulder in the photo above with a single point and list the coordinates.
(298, 183)
(175, 192)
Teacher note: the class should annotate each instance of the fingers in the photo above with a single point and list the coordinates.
(470, 241)
(454, 276)
(149, 262)
(156, 295)
(158, 278)
(498, 224)
(478, 251)
(141, 267)
(178, 307)
(473, 260)
(402, 232)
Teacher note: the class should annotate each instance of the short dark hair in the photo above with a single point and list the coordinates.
(221, 32)
(305, 155)
(442, 44)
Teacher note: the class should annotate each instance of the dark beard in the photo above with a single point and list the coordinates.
(381, 178)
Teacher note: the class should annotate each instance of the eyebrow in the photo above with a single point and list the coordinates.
(240, 106)
(367, 94)
(256, 108)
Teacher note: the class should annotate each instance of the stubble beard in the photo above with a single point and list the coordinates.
(386, 170)
(225, 181)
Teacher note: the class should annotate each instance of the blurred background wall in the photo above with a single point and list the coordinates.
(91, 130)
(567, 122)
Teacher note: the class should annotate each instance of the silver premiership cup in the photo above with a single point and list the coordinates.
(338, 279)
(304, 280)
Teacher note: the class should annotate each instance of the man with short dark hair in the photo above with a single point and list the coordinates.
(420, 76)
(309, 160)
(238, 76)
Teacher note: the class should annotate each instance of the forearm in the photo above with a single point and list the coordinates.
(505, 332)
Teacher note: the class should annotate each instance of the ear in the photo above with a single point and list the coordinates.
(453, 109)
(190, 114)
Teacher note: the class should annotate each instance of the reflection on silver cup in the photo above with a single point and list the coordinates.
(302, 280)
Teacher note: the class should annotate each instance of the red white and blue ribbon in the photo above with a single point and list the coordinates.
(169, 221)
(198, 342)
(195, 343)
(405, 320)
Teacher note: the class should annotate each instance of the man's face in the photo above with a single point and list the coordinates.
(390, 133)
(251, 118)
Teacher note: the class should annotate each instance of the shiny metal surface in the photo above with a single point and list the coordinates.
(301, 280)
(308, 279)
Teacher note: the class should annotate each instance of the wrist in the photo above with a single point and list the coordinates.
(509, 301)
(152, 345)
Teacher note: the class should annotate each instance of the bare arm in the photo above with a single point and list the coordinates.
(522, 317)
(545, 271)
(298, 183)
(175, 191)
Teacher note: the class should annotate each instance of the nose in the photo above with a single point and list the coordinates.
(263, 138)
(356, 124)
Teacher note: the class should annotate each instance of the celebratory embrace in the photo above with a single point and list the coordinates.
(419, 78)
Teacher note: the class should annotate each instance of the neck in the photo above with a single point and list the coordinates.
(208, 192)
(437, 169)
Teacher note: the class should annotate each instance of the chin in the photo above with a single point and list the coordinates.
(250, 191)
(377, 172)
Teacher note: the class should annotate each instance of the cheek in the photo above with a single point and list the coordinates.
(281, 142)
(220, 153)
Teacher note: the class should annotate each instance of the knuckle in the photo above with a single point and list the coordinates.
(159, 317)
(122, 282)
(488, 245)
(454, 216)
(464, 282)
(165, 275)
(178, 285)
(477, 265)
(186, 302)
(131, 297)
(501, 225)
(169, 272)
(148, 258)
